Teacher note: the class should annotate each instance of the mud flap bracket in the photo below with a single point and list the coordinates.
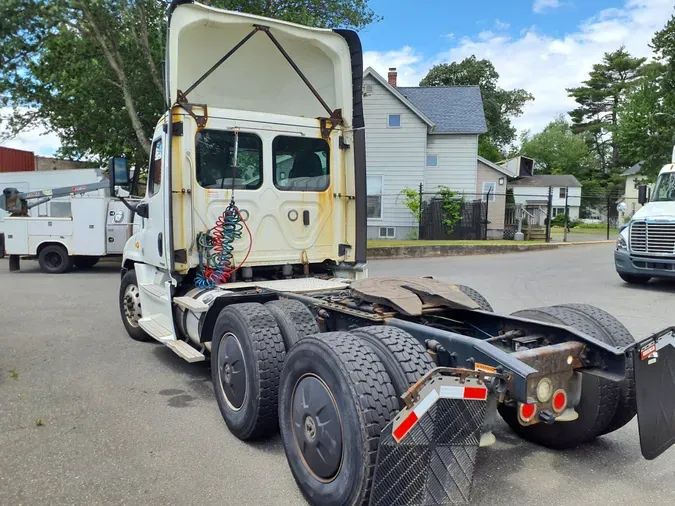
(427, 454)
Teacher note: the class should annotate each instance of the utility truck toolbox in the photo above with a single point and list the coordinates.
(253, 255)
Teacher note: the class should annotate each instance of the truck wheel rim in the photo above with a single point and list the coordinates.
(232, 371)
(317, 427)
(53, 260)
(132, 305)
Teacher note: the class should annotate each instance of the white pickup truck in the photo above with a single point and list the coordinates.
(645, 248)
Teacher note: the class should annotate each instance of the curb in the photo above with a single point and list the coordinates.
(461, 250)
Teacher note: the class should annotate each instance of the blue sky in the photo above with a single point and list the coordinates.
(543, 46)
(427, 28)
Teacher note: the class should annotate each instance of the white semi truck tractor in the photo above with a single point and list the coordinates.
(645, 248)
(253, 256)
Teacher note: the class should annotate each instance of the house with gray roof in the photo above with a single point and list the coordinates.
(414, 135)
(532, 192)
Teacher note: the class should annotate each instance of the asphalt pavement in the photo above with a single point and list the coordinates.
(89, 417)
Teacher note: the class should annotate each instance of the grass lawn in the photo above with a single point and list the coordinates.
(388, 243)
(613, 232)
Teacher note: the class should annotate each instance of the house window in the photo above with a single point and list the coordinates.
(563, 193)
(489, 187)
(374, 186)
(558, 211)
(394, 120)
(387, 232)
(368, 89)
(432, 160)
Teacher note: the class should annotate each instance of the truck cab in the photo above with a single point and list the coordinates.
(645, 248)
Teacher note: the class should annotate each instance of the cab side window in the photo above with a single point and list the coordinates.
(155, 173)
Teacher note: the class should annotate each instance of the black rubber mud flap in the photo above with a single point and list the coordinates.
(431, 461)
(654, 360)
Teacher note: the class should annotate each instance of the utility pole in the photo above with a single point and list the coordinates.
(567, 196)
(609, 201)
(549, 213)
(419, 215)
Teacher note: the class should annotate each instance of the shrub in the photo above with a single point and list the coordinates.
(592, 225)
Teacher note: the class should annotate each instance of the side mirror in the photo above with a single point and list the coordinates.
(118, 172)
(622, 207)
(642, 194)
(142, 209)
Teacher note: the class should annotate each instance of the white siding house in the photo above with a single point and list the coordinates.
(532, 192)
(630, 197)
(416, 136)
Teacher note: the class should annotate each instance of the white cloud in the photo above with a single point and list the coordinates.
(501, 25)
(545, 65)
(541, 5)
(37, 139)
(410, 65)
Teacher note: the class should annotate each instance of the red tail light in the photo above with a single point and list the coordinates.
(559, 401)
(527, 412)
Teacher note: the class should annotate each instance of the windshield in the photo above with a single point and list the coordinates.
(665, 188)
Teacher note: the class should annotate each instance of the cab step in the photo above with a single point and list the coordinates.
(191, 304)
(185, 351)
(154, 291)
(153, 326)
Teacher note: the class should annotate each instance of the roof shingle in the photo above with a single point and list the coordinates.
(453, 109)
(542, 180)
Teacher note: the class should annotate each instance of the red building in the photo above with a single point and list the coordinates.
(16, 160)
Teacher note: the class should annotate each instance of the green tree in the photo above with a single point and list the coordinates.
(557, 150)
(646, 129)
(598, 100)
(488, 149)
(90, 70)
(500, 105)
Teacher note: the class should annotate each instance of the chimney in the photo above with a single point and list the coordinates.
(391, 77)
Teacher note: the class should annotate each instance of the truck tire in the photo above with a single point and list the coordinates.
(403, 357)
(247, 355)
(633, 279)
(295, 320)
(54, 259)
(2, 245)
(82, 262)
(614, 333)
(130, 307)
(336, 381)
(599, 397)
(476, 297)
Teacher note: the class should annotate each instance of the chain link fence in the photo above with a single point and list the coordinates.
(536, 214)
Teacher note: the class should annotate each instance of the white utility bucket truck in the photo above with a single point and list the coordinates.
(645, 248)
(252, 255)
(83, 224)
(29, 181)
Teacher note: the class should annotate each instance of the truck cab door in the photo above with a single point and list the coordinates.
(153, 236)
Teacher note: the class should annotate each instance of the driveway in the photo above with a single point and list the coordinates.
(91, 417)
